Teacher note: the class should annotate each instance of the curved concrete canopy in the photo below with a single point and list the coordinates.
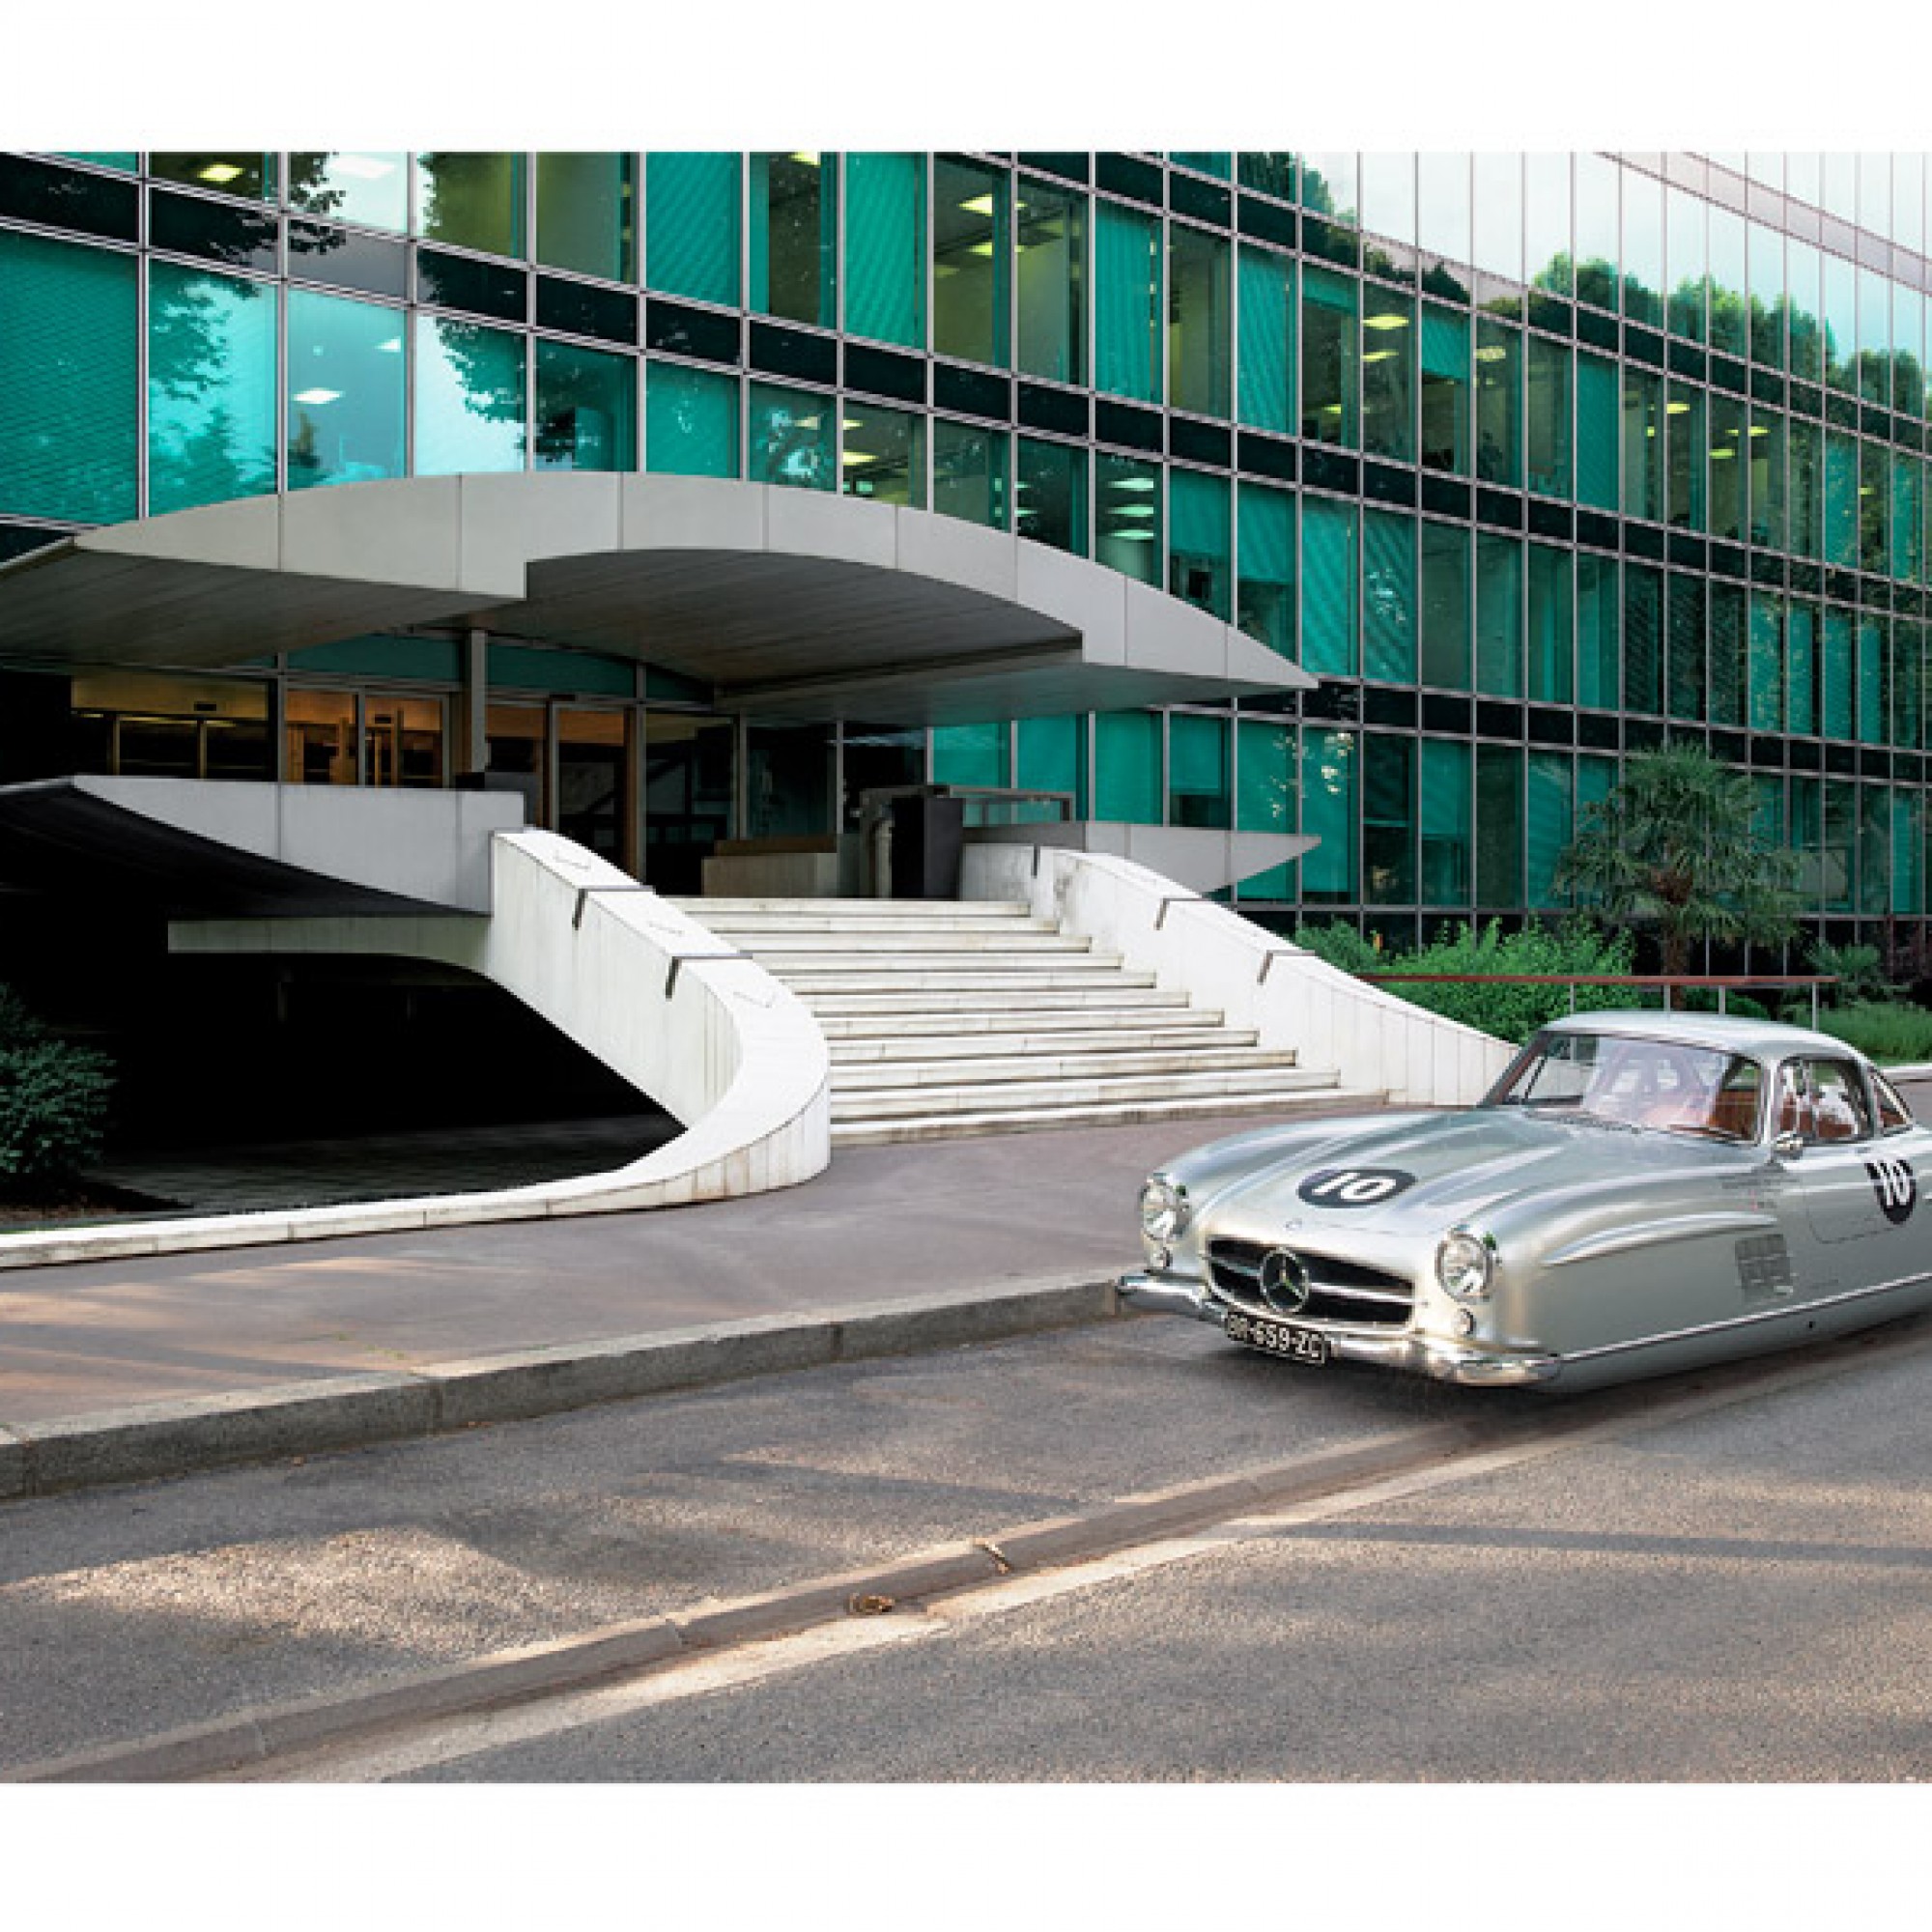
(787, 603)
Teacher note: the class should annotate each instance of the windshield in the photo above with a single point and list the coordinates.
(1664, 1084)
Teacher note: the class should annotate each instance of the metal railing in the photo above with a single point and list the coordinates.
(1723, 983)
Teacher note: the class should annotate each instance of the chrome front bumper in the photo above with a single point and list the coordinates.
(1436, 1356)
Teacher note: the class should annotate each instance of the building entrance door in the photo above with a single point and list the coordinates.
(688, 795)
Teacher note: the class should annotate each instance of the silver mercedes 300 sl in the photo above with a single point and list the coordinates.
(1640, 1192)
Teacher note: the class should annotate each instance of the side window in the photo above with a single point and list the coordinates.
(1823, 1100)
(1893, 1115)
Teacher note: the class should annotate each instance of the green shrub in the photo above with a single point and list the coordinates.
(1515, 1012)
(1509, 1012)
(1860, 969)
(1894, 1035)
(53, 1099)
(1343, 947)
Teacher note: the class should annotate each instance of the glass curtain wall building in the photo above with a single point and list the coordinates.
(1534, 459)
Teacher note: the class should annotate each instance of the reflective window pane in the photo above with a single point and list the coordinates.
(792, 437)
(345, 391)
(795, 236)
(1446, 606)
(883, 455)
(469, 397)
(1199, 787)
(690, 421)
(1050, 261)
(1201, 541)
(969, 472)
(884, 248)
(1446, 394)
(1499, 615)
(472, 201)
(586, 413)
(1127, 302)
(1127, 517)
(972, 251)
(1330, 331)
(249, 176)
(692, 225)
(1330, 581)
(1388, 373)
(587, 214)
(210, 387)
(1200, 350)
(370, 190)
(1050, 495)
(1267, 340)
(1547, 449)
(69, 382)
(1266, 601)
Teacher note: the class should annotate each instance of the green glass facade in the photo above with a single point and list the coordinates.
(1533, 461)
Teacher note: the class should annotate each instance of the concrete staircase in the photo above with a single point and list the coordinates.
(949, 1019)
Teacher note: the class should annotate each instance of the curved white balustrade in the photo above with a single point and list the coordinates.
(700, 1028)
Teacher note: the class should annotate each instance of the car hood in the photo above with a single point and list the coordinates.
(1434, 1171)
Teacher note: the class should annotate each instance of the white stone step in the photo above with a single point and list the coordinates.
(863, 947)
(903, 1043)
(906, 912)
(964, 1005)
(987, 984)
(759, 925)
(1114, 1114)
(1097, 1063)
(970, 1028)
(968, 1096)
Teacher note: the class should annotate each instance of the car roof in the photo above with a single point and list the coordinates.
(1762, 1040)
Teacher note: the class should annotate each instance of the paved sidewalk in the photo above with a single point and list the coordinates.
(111, 1371)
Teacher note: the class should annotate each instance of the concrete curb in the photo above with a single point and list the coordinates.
(147, 1440)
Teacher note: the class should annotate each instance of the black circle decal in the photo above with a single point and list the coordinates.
(1896, 1187)
(1353, 1186)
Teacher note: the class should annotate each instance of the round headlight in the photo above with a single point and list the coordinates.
(1465, 1265)
(1163, 1209)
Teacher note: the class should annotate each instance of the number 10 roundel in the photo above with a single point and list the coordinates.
(1353, 1186)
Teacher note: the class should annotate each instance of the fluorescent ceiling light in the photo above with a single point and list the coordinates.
(1133, 536)
(392, 347)
(1675, 409)
(805, 160)
(316, 397)
(221, 172)
(1377, 356)
(980, 204)
(1722, 455)
(1134, 510)
(1494, 352)
(1386, 321)
(852, 456)
(1131, 483)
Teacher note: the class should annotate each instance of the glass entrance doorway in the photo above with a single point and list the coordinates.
(688, 796)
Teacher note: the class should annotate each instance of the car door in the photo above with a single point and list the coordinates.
(1846, 1183)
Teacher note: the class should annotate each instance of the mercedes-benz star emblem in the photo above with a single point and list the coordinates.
(1285, 1281)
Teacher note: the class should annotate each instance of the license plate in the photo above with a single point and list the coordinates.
(1307, 1346)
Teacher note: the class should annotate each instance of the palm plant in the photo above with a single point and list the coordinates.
(1674, 850)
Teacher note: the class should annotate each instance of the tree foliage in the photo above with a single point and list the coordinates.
(1674, 850)
(53, 1099)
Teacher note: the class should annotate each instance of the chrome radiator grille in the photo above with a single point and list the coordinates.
(1316, 1288)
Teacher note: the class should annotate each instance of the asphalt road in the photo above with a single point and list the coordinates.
(1737, 1594)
